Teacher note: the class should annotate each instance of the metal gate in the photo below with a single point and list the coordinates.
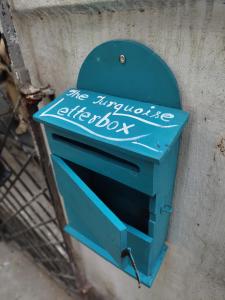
(31, 213)
(27, 214)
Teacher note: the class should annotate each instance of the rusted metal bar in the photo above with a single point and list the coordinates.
(31, 98)
(32, 249)
(32, 194)
(25, 185)
(25, 200)
(50, 260)
(80, 281)
(28, 189)
(22, 208)
(45, 245)
(21, 72)
(29, 215)
(28, 237)
(36, 183)
(17, 176)
(36, 252)
(30, 228)
(71, 277)
(7, 133)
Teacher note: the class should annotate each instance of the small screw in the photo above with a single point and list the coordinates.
(122, 59)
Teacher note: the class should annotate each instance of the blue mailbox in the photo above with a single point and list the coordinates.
(114, 143)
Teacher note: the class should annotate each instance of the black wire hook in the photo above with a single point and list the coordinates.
(127, 252)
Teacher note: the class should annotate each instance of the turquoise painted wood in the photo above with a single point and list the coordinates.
(142, 129)
(115, 141)
(144, 76)
(85, 203)
(137, 134)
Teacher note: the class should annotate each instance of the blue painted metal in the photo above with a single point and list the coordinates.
(114, 141)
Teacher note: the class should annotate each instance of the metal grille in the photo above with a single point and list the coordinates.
(27, 215)
(31, 213)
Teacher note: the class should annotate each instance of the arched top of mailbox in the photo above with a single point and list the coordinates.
(143, 76)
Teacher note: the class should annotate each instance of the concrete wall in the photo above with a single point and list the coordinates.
(56, 36)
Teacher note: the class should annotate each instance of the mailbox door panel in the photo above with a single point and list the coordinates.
(88, 214)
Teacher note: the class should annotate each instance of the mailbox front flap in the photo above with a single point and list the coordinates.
(88, 214)
(141, 128)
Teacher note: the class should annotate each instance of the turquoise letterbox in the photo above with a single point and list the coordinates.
(114, 141)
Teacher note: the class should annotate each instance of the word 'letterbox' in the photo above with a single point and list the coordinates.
(114, 141)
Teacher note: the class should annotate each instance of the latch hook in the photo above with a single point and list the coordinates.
(127, 252)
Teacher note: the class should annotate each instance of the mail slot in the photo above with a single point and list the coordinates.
(114, 141)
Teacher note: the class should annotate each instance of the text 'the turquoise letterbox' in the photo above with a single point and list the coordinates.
(114, 141)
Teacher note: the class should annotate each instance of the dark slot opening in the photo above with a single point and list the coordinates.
(100, 153)
(130, 205)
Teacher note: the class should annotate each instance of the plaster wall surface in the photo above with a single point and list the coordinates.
(20, 279)
(190, 37)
